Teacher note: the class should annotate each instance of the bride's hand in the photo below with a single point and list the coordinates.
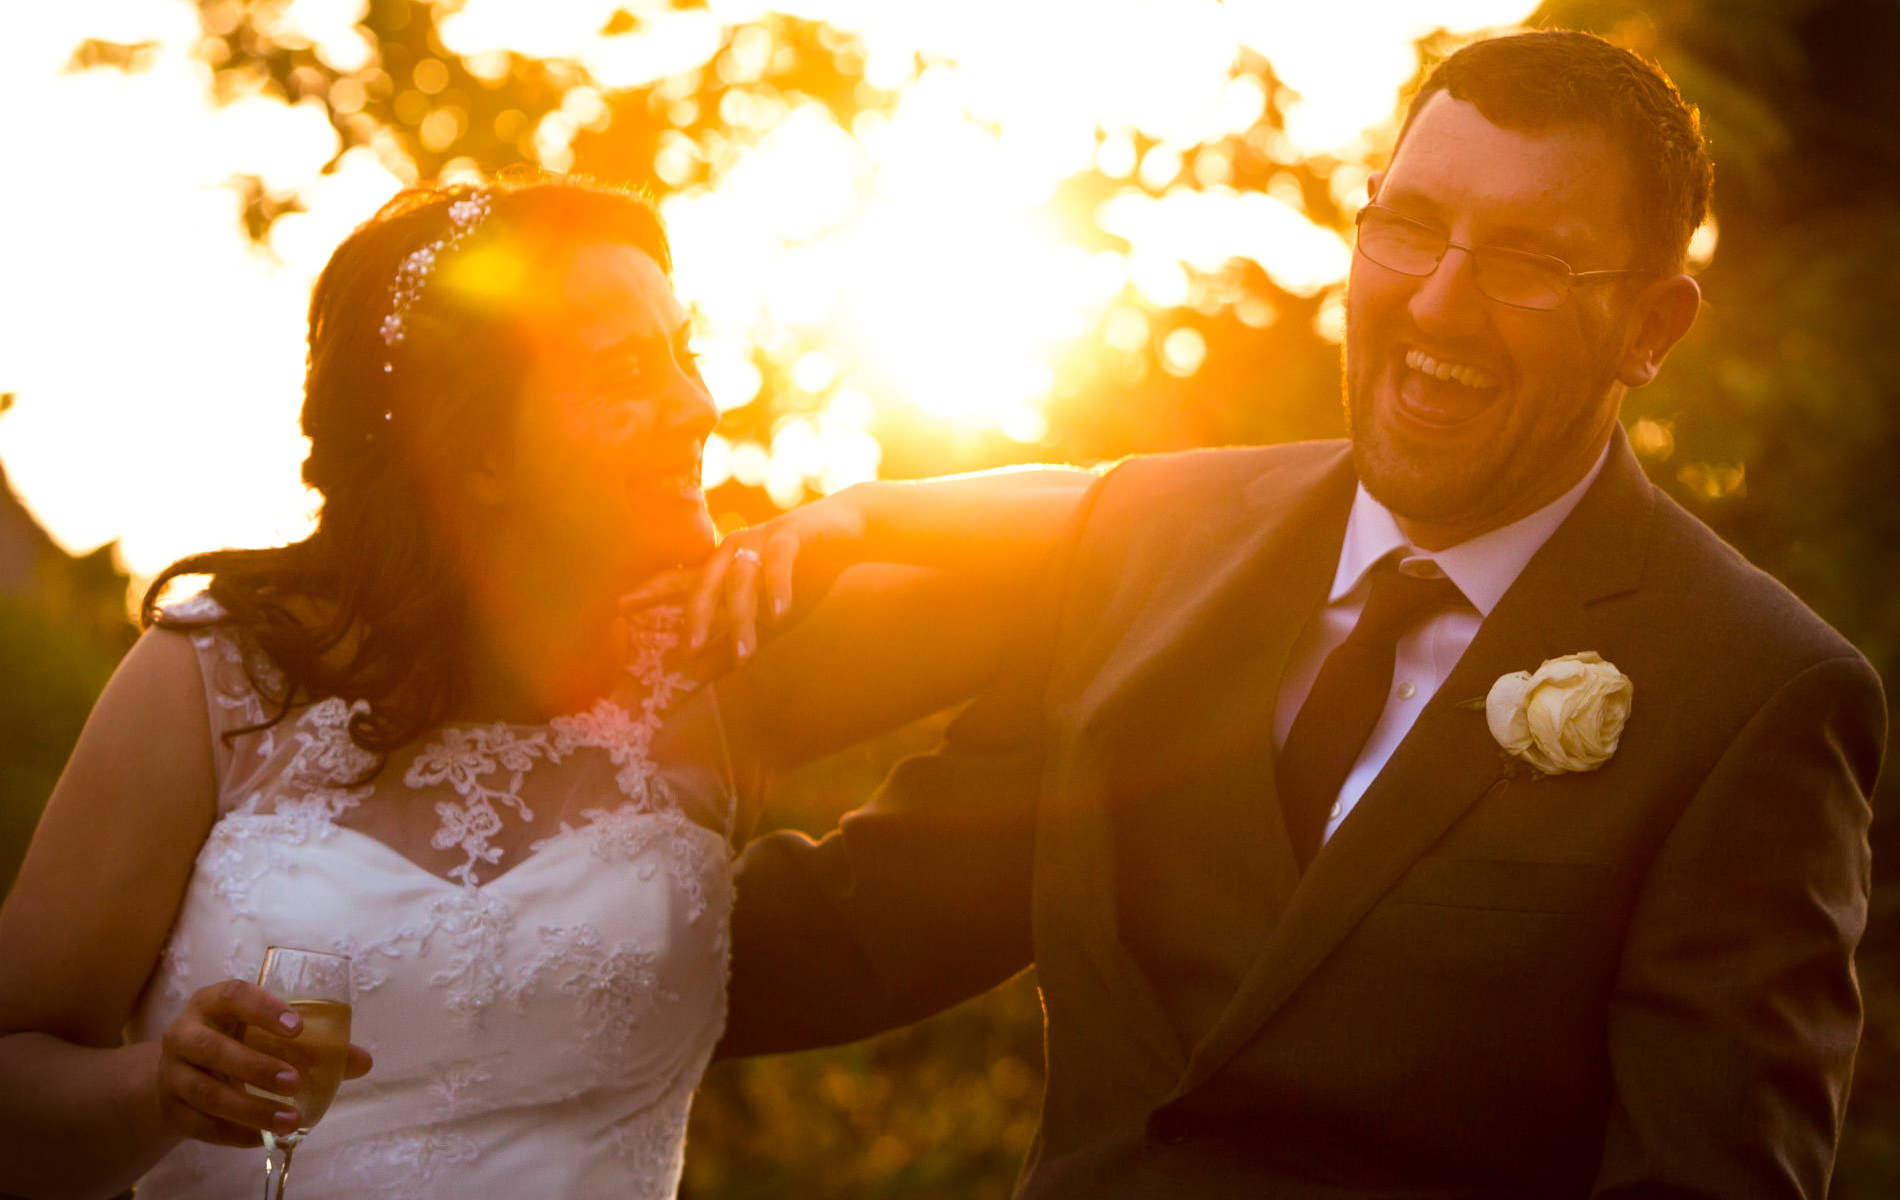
(758, 575)
(203, 1065)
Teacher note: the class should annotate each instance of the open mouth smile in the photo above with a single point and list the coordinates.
(1437, 393)
(1446, 371)
(674, 475)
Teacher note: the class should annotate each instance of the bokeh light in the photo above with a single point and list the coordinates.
(911, 264)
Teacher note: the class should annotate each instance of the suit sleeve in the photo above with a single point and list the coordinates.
(1736, 1011)
(921, 898)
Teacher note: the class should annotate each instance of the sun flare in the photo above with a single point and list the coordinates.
(911, 264)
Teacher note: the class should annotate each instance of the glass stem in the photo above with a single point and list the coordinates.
(277, 1152)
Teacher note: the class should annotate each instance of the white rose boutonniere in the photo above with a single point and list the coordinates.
(1567, 715)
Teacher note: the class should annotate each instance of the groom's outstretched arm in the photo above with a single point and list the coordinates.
(920, 899)
(915, 902)
(1736, 1012)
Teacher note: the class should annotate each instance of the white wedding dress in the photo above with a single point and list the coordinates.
(537, 919)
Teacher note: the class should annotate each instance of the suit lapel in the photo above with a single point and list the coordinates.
(1252, 591)
(1203, 698)
(1185, 703)
(1448, 761)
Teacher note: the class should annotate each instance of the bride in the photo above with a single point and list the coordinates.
(426, 737)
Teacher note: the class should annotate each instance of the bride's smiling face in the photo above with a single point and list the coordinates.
(600, 475)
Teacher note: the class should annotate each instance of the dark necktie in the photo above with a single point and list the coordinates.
(1344, 706)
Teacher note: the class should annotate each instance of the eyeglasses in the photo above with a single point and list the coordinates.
(1518, 278)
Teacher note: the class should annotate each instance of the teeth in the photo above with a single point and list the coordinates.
(1470, 377)
(686, 482)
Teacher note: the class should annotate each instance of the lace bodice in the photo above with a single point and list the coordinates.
(536, 917)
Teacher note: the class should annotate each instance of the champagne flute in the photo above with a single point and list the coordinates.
(317, 988)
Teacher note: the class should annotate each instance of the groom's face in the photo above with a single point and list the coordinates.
(1531, 395)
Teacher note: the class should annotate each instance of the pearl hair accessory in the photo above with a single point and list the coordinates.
(465, 217)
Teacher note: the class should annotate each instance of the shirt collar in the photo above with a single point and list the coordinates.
(1484, 568)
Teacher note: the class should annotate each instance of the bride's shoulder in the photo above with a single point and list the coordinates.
(228, 640)
(198, 609)
(163, 663)
(227, 656)
(151, 712)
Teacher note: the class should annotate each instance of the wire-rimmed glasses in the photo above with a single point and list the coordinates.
(1518, 278)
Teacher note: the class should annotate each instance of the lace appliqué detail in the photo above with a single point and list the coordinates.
(235, 688)
(249, 844)
(627, 739)
(327, 757)
(608, 727)
(174, 970)
(450, 1081)
(470, 927)
(615, 989)
(689, 851)
(241, 960)
(655, 1141)
(463, 758)
(485, 765)
(401, 1164)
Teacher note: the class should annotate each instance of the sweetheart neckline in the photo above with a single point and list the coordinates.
(539, 848)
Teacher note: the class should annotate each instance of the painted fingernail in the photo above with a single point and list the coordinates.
(291, 1022)
(287, 1080)
(742, 648)
(778, 607)
(285, 1118)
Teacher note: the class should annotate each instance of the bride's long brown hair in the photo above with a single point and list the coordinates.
(372, 606)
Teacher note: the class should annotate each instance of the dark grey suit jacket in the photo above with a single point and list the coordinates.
(1637, 981)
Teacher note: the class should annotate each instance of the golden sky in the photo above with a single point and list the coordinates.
(157, 355)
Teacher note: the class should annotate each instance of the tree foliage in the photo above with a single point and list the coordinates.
(55, 662)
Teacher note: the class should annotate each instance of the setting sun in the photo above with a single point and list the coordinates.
(911, 260)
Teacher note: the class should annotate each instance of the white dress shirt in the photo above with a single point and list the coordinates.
(1484, 568)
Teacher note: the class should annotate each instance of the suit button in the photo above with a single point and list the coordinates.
(1169, 1126)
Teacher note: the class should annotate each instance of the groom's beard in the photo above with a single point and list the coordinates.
(1459, 485)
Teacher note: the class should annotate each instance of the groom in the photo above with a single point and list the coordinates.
(1303, 927)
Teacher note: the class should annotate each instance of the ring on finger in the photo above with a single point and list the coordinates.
(748, 554)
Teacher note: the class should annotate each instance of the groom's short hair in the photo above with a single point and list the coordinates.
(1553, 78)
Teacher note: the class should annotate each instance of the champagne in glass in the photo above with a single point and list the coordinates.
(317, 988)
(318, 1054)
